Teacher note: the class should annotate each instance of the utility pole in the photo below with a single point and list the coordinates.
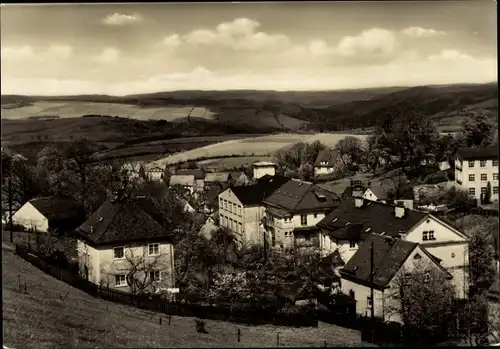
(372, 308)
(10, 210)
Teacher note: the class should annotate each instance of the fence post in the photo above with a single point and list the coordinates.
(238, 335)
(169, 319)
(277, 339)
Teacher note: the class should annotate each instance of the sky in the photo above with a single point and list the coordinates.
(121, 49)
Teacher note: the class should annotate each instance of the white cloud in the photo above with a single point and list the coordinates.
(17, 53)
(60, 51)
(239, 34)
(418, 32)
(372, 41)
(451, 55)
(108, 55)
(172, 41)
(122, 19)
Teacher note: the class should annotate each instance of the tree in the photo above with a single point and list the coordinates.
(166, 175)
(351, 151)
(306, 171)
(481, 254)
(298, 155)
(487, 196)
(477, 130)
(473, 320)
(445, 148)
(423, 299)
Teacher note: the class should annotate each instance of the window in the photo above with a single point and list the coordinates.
(428, 235)
(240, 228)
(452, 255)
(472, 191)
(495, 176)
(484, 190)
(431, 235)
(484, 176)
(417, 256)
(225, 205)
(472, 178)
(315, 215)
(352, 294)
(471, 163)
(495, 162)
(369, 301)
(303, 219)
(239, 209)
(495, 190)
(154, 249)
(482, 163)
(352, 244)
(118, 253)
(155, 275)
(120, 280)
(234, 208)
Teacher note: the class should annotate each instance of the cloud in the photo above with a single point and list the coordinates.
(122, 19)
(17, 53)
(372, 41)
(172, 41)
(418, 32)
(60, 51)
(108, 55)
(241, 34)
(451, 55)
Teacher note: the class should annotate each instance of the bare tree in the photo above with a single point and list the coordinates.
(473, 319)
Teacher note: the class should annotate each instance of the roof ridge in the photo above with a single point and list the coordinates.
(304, 195)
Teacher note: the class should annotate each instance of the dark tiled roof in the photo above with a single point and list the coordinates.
(185, 180)
(278, 212)
(212, 194)
(236, 174)
(217, 177)
(297, 195)
(305, 229)
(198, 174)
(57, 208)
(389, 255)
(333, 258)
(478, 153)
(379, 191)
(128, 219)
(377, 216)
(255, 194)
(352, 232)
(328, 156)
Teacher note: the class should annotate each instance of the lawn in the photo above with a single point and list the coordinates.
(253, 146)
(39, 319)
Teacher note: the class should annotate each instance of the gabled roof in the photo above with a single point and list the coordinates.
(198, 174)
(212, 194)
(378, 191)
(377, 216)
(255, 194)
(185, 180)
(124, 220)
(296, 196)
(264, 164)
(217, 177)
(352, 232)
(155, 169)
(236, 174)
(478, 153)
(58, 208)
(328, 156)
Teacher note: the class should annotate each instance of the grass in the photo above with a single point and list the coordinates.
(254, 146)
(39, 319)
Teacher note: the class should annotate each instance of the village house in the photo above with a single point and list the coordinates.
(48, 213)
(155, 173)
(187, 182)
(292, 212)
(327, 162)
(199, 178)
(262, 168)
(239, 178)
(348, 225)
(122, 236)
(213, 178)
(474, 169)
(392, 258)
(241, 209)
(211, 200)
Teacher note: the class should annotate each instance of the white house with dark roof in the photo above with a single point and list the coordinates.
(441, 240)
(391, 258)
(46, 213)
(262, 168)
(123, 235)
(293, 211)
(475, 168)
(327, 162)
(155, 173)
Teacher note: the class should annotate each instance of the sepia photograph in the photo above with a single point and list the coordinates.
(250, 174)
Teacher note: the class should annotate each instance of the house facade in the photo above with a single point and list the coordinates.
(199, 178)
(263, 168)
(155, 173)
(474, 169)
(346, 227)
(124, 235)
(392, 258)
(188, 182)
(293, 211)
(327, 162)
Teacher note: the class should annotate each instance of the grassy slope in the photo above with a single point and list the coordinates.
(40, 319)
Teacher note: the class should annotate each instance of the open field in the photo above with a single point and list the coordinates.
(74, 109)
(230, 163)
(256, 146)
(39, 319)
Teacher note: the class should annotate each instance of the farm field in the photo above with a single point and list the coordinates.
(74, 109)
(84, 321)
(230, 163)
(256, 146)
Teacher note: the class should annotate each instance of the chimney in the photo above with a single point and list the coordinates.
(359, 201)
(399, 211)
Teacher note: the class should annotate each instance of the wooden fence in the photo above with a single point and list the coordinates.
(259, 315)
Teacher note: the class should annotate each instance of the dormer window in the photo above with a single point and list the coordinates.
(417, 256)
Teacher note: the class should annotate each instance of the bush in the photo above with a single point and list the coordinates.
(436, 178)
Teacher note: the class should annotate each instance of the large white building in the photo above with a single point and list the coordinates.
(475, 168)
(262, 168)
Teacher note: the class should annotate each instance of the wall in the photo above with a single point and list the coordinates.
(463, 175)
(449, 246)
(329, 245)
(29, 217)
(253, 231)
(361, 295)
(259, 172)
(283, 229)
(322, 170)
(155, 175)
(227, 213)
(109, 266)
(89, 257)
(369, 195)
